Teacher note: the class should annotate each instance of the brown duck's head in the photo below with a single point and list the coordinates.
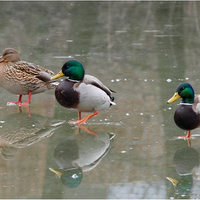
(9, 55)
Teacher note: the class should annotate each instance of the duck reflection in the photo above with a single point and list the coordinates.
(19, 131)
(185, 160)
(27, 108)
(81, 153)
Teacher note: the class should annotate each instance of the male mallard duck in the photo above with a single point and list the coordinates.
(182, 186)
(82, 92)
(22, 78)
(187, 115)
(74, 155)
(185, 160)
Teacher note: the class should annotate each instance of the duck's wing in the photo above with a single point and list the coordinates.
(89, 79)
(196, 104)
(34, 70)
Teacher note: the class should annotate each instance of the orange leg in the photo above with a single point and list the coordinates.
(187, 136)
(79, 118)
(81, 121)
(19, 102)
(79, 115)
(16, 103)
(88, 131)
(27, 108)
(189, 143)
(28, 100)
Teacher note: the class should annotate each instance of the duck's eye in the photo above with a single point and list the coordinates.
(182, 89)
(6, 53)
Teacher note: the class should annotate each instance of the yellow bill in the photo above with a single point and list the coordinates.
(60, 74)
(56, 172)
(174, 98)
(172, 180)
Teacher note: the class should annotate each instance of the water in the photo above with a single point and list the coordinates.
(142, 50)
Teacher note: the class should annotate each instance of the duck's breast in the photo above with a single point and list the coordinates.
(185, 117)
(66, 95)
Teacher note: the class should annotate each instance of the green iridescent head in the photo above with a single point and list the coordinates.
(72, 178)
(73, 70)
(184, 91)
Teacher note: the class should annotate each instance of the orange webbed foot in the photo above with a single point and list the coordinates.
(81, 121)
(188, 136)
(19, 102)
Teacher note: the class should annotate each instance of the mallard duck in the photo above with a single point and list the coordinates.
(84, 93)
(187, 115)
(21, 77)
(18, 132)
(185, 160)
(74, 156)
(71, 178)
(182, 186)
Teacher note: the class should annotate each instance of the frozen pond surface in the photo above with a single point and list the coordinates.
(142, 50)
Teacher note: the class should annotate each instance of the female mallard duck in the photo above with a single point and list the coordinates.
(82, 92)
(22, 78)
(18, 132)
(187, 115)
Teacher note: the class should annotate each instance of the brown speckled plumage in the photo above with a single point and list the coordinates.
(21, 77)
(24, 133)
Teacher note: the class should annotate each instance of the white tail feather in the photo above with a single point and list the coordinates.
(113, 103)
